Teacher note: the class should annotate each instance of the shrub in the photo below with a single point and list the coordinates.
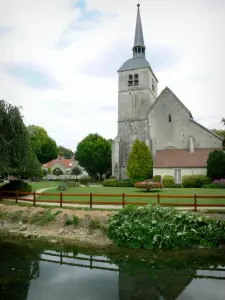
(195, 181)
(139, 163)
(219, 183)
(116, 183)
(148, 185)
(85, 180)
(165, 228)
(216, 164)
(168, 181)
(210, 186)
(157, 178)
(16, 185)
(175, 185)
(138, 179)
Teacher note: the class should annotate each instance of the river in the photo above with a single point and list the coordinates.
(37, 272)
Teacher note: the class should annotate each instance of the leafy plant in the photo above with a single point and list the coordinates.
(216, 164)
(139, 163)
(195, 181)
(76, 171)
(85, 180)
(164, 228)
(117, 183)
(43, 217)
(168, 181)
(157, 178)
(74, 221)
(148, 185)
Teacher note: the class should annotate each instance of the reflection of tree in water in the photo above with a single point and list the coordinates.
(161, 277)
(18, 266)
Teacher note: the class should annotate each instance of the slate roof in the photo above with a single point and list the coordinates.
(182, 158)
(139, 37)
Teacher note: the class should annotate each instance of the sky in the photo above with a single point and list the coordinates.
(59, 59)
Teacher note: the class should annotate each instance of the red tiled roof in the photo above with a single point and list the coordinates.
(63, 162)
(181, 158)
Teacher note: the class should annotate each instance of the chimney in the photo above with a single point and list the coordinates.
(191, 145)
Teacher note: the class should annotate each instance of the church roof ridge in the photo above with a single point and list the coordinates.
(167, 89)
(203, 127)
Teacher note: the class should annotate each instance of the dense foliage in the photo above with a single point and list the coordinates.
(139, 163)
(168, 181)
(195, 181)
(85, 180)
(148, 185)
(43, 146)
(117, 183)
(65, 152)
(76, 171)
(165, 228)
(16, 155)
(94, 155)
(216, 164)
(221, 133)
(57, 172)
(157, 178)
(16, 185)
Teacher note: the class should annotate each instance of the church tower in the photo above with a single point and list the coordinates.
(138, 88)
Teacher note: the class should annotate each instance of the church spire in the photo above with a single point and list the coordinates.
(139, 45)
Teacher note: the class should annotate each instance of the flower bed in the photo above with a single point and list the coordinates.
(148, 185)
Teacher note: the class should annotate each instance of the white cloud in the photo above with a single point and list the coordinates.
(44, 34)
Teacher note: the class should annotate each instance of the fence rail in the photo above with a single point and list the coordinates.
(32, 197)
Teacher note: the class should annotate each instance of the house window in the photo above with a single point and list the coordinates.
(136, 80)
(170, 119)
(177, 176)
(153, 85)
(130, 81)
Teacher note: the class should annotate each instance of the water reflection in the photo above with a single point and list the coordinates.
(36, 274)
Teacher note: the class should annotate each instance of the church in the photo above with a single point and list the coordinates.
(179, 145)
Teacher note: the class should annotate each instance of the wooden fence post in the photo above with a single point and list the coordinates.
(16, 197)
(34, 200)
(90, 200)
(158, 199)
(123, 200)
(61, 200)
(195, 203)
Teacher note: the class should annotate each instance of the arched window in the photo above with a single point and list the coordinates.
(130, 81)
(170, 119)
(136, 79)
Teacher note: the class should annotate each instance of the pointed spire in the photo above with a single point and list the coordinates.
(139, 45)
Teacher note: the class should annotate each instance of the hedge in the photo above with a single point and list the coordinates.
(168, 181)
(157, 178)
(16, 185)
(195, 181)
(116, 183)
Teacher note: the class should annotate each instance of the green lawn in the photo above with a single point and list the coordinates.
(43, 185)
(137, 192)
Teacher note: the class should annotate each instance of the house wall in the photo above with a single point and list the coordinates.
(184, 171)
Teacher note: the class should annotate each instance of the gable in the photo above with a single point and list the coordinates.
(167, 96)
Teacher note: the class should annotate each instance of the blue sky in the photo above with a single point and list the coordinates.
(59, 59)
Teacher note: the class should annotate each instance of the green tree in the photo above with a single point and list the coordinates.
(49, 171)
(16, 155)
(57, 171)
(221, 133)
(65, 152)
(76, 171)
(223, 121)
(139, 163)
(43, 146)
(94, 154)
(216, 164)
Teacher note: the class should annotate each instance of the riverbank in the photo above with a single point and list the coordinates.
(83, 228)
(55, 226)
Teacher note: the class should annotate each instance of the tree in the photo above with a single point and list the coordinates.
(65, 152)
(76, 171)
(94, 154)
(44, 147)
(221, 133)
(16, 155)
(57, 171)
(223, 121)
(139, 163)
(216, 164)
